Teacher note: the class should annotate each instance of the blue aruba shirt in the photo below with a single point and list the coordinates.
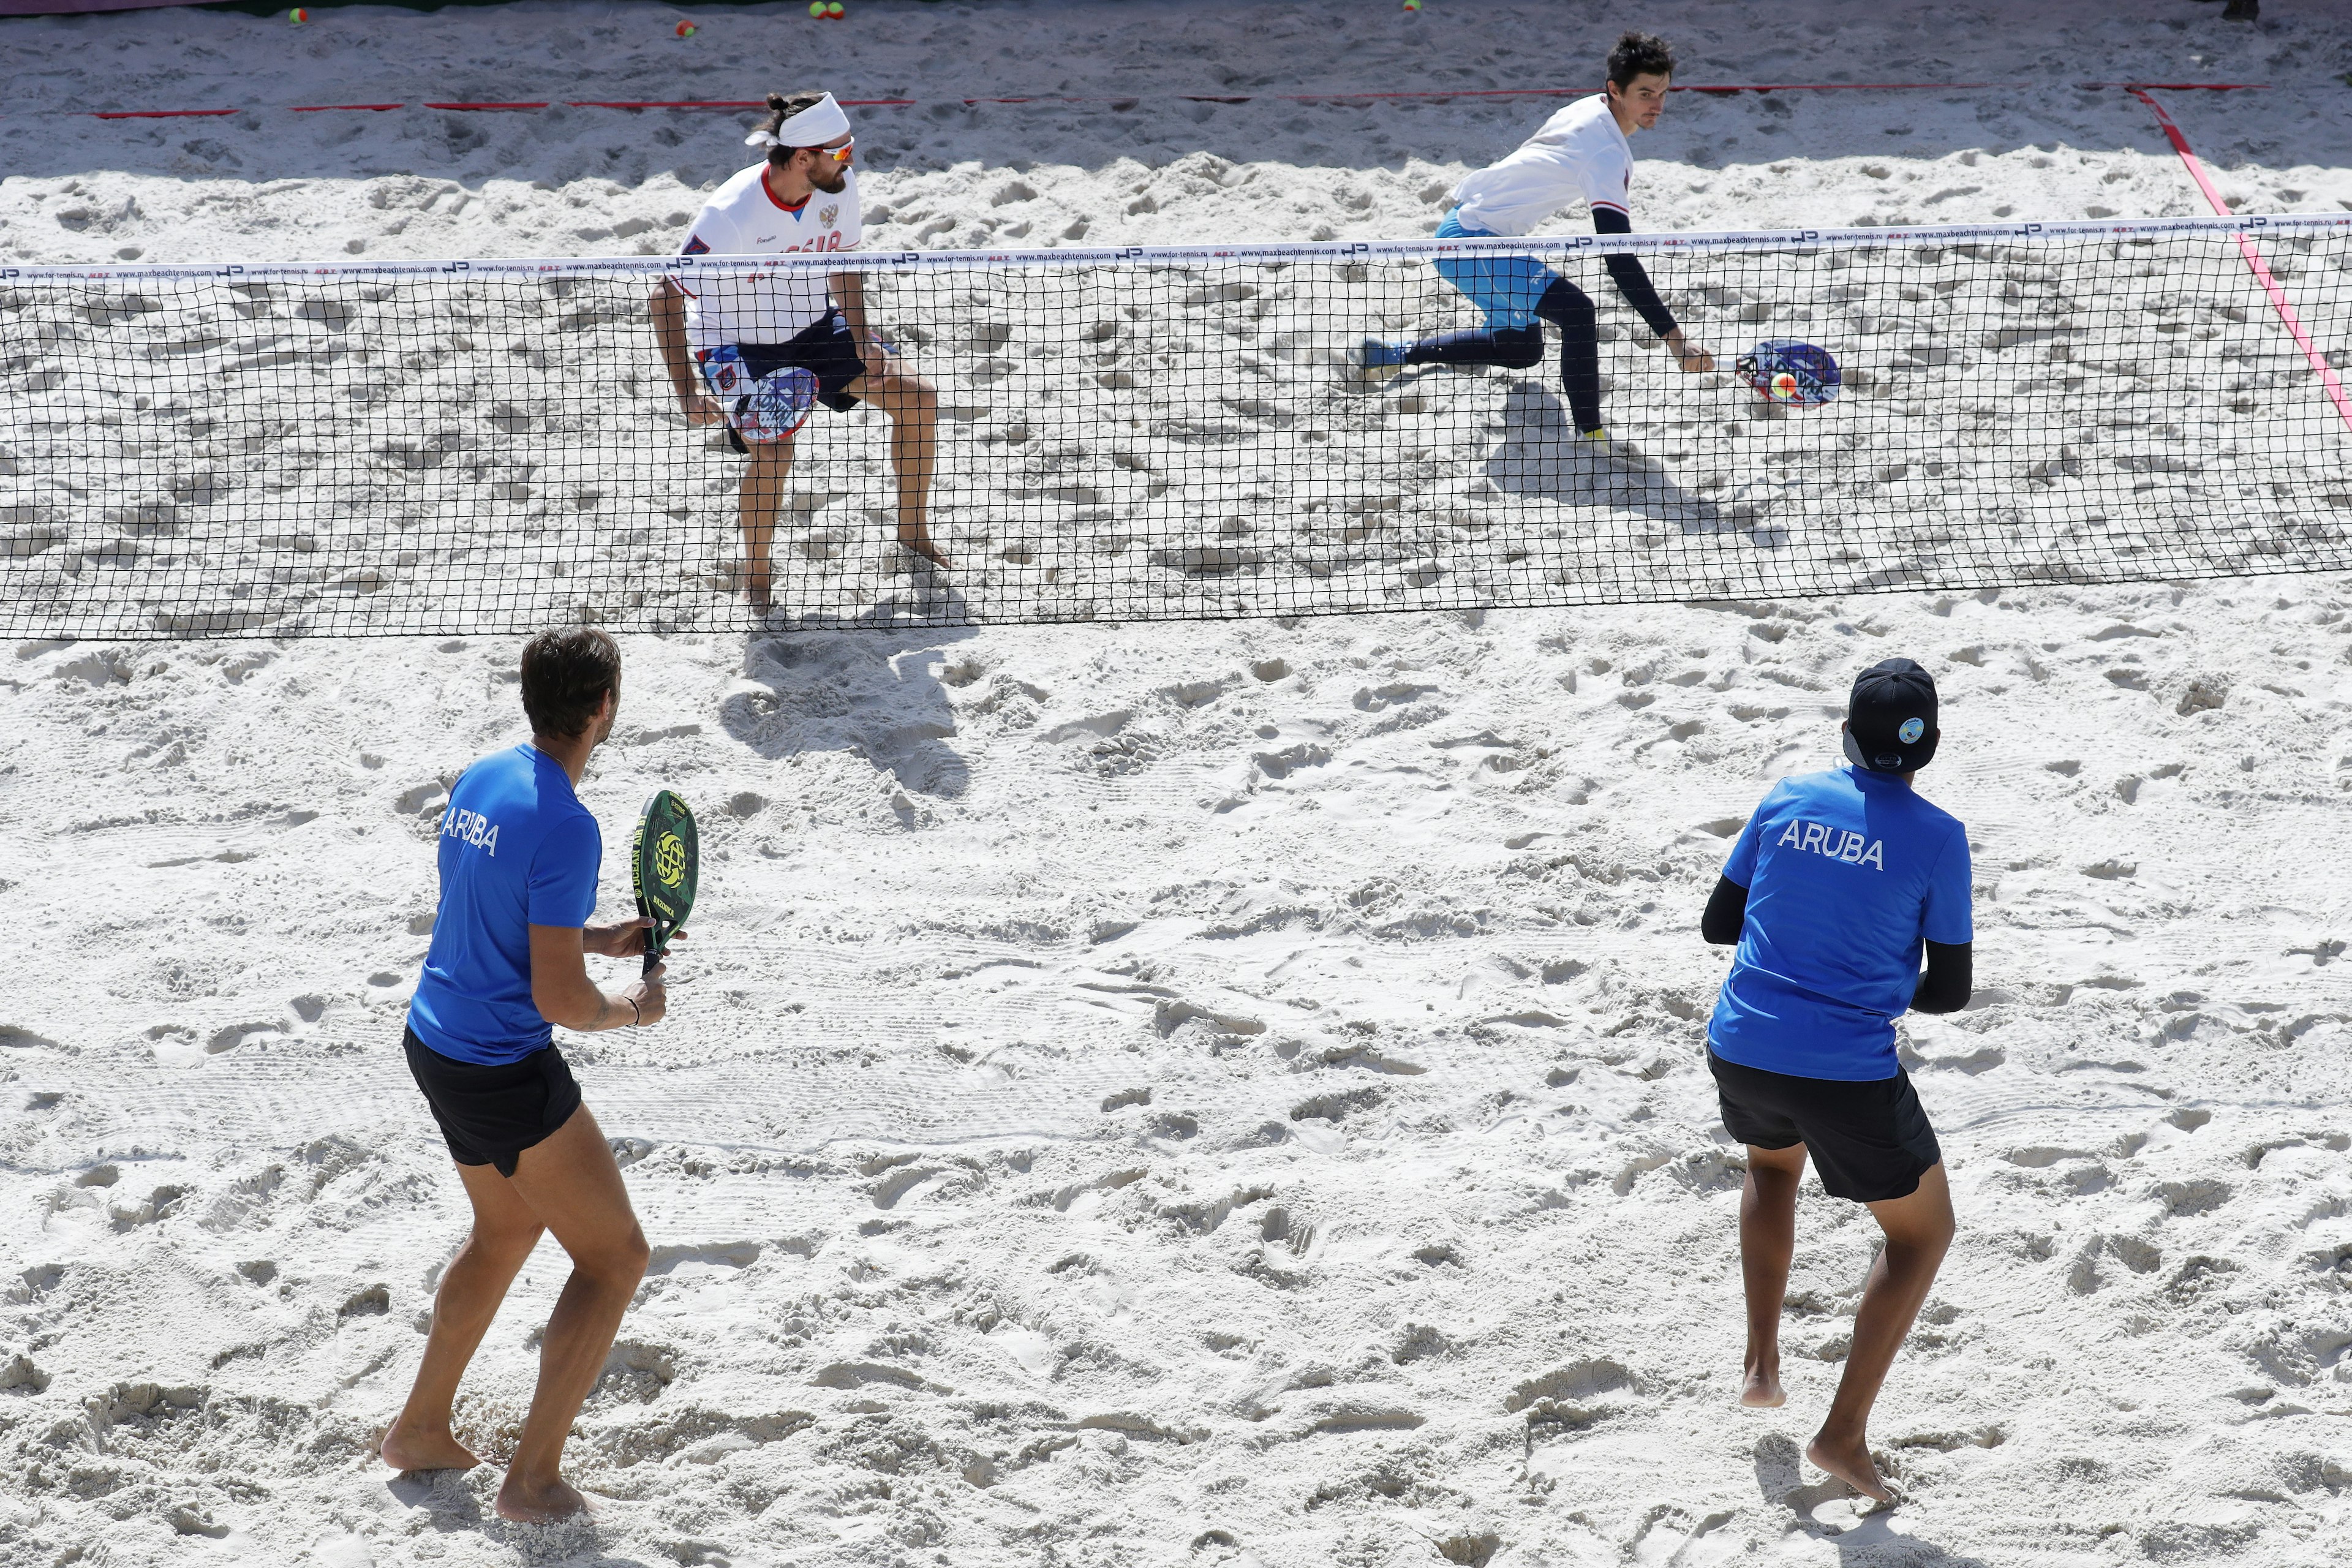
(1847, 872)
(517, 849)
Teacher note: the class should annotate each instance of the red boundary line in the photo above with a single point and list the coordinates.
(1709, 89)
(2254, 262)
(733, 102)
(667, 103)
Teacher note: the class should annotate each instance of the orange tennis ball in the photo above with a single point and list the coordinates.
(686, 29)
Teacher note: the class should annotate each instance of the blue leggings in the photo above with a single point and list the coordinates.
(1517, 292)
(1565, 306)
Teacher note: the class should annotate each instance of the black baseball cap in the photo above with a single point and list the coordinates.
(1890, 719)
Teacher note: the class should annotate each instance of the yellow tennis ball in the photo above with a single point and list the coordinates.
(298, 15)
(1413, 4)
(1784, 387)
(832, 11)
(816, 9)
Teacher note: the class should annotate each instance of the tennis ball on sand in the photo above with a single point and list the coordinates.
(298, 15)
(686, 29)
(1413, 4)
(832, 11)
(816, 9)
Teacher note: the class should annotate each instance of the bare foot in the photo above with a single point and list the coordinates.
(545, 1502)
(406, 1450)
(1761, 1389)
(1851, 1464)
(751, 578)
(920, 543)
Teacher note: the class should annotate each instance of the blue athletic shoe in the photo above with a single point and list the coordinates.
(1378, 355)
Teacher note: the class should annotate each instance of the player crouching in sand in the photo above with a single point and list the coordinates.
(766, 347)
(519, 861)
(1581, 153)
(1835, 886)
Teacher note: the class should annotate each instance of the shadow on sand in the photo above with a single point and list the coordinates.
(1873, 1542)
(1542, 456)
(444, 1496)
(870, 690)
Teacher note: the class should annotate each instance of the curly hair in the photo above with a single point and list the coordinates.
(1636, 54)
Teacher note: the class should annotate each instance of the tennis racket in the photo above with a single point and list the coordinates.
(665, 862)
(1792, 373)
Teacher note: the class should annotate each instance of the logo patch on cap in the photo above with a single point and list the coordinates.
(1911, 730)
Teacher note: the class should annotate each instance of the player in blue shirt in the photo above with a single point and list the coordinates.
(519, 862)
(1838, 885)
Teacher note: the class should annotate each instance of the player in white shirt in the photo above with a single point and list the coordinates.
(759, 352)
(1581, 153)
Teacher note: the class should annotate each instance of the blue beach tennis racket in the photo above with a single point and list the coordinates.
(1796, 374)
(764, 408)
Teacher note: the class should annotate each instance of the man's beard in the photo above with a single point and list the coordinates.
(840, 178)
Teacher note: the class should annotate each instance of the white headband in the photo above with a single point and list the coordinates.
(815, 126)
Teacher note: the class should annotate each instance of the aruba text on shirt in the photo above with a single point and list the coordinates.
(517, 849)
(1847, 873)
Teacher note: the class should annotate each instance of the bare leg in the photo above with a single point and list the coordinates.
(1768, 1241)
(759, 500)
(912, 405)
(572, 1185)
(1918, 1230)
(504, 1230)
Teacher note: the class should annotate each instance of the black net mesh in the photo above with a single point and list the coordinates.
(1169, 434)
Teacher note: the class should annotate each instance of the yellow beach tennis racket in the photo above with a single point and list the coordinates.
(665, 863)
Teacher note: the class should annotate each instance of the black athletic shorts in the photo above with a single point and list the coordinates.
(1870, 1140)
(823, 348)
(489, 1115)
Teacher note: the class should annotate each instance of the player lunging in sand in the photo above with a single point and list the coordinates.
(1836, 886)
(1581, 153)
(757, 351)
(519, 861)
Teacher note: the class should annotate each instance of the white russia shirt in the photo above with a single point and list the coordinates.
(743, 217)
(1579, 155)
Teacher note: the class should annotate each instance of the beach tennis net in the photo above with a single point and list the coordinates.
(452, 449)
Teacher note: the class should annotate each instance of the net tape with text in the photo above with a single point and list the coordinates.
(454, 448)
